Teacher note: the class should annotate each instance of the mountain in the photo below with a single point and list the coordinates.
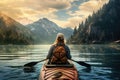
(45, 31)
(102, 27)
(12, 32)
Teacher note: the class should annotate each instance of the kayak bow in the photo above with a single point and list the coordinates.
(58, 72)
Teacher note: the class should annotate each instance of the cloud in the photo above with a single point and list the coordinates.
(71, 22)
(85, 9)
(56, 4)
(33, 9)
(27, 11)
(92, 5)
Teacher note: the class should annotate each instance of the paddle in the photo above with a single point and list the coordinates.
(82, 63)
(31, 64)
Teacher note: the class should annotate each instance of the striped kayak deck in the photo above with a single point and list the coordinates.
(58, 73)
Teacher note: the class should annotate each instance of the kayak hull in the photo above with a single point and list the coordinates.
(61, 72)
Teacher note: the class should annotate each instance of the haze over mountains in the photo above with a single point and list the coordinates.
(12, 32)
(40, 32)
(45, 31)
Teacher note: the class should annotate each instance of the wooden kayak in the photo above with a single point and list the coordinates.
(58, 72)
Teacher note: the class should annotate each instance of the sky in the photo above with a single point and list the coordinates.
(65, 13)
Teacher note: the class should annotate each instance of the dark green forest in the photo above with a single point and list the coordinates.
(12, 32)
(101, 27)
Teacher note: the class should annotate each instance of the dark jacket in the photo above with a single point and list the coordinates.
(49, 56)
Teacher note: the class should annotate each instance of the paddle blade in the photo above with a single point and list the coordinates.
(28, 69)
(31, 64)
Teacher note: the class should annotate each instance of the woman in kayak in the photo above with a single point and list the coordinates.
(59, 52)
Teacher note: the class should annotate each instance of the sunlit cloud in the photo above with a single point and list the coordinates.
(73, 21)
(32, 9)
(85, 9)
(28, 11)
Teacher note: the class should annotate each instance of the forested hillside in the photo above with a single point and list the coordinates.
(102, 27)
(12, 32)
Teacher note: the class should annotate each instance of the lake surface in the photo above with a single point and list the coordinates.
(105, 61)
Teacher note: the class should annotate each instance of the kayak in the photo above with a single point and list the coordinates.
(58, 72)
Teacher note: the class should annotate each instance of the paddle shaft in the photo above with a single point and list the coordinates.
(42, 60)
(31, 64)
(82, 63)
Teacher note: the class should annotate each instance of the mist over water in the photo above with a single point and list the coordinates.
(105, 61)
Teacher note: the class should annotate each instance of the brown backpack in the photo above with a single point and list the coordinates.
(59, 55)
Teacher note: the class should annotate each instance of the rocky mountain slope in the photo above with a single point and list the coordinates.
(45, 31)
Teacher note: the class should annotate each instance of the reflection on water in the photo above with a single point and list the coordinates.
(105, 61)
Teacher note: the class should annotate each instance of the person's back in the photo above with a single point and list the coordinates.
(59, 55)
(59, 52)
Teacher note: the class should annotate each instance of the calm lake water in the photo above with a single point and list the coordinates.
(105, 61)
